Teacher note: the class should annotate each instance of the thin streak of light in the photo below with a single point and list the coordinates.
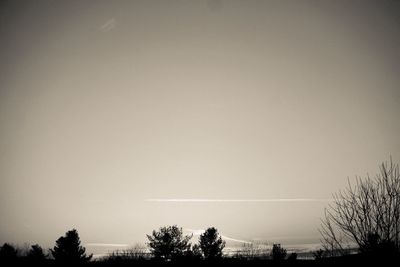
(201, 231)
(239, 200)
(236, 240)
(106, 245)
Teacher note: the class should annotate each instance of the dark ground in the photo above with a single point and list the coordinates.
(351, 260)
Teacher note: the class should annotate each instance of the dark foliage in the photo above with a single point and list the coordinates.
(376, 247)
(292, 256)
(319, 254)
(169, 243)
(193, 254)
(68, 249)
(278, 252)
(36, 254)
(211, 244)
(8, 253)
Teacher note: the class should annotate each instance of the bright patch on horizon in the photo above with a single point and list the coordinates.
(106, 245)
(201, 231)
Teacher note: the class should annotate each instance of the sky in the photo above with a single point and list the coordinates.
(118, 117)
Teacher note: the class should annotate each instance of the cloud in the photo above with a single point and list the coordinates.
(108, 25)
(239, 200)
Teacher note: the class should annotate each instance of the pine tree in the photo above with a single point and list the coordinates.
(8, 253)
(68, 249)
(36, 253)
(278, 252)
(211, 244)
(168, 243)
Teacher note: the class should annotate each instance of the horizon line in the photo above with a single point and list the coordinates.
(106, 245)
(239, 200)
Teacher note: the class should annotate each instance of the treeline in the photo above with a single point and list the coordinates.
(166, 246)
(67, 249)
(361, 224)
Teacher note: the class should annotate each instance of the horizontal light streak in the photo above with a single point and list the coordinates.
(106, 245)
(201, 231)
(239, 200)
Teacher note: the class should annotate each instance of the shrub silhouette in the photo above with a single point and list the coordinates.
(378, 248)
(292, 256)
(192, 253)
(195, 253)
(367, 214)
(68, 249)
(168, 243)
(319, 254)
(137, 252)
(36, 253)
(252, 251)
(278, 253)
(8, 253)
(211, 244)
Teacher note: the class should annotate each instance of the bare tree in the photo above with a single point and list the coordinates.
(366, 214)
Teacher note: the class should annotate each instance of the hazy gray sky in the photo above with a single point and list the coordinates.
(107, 105)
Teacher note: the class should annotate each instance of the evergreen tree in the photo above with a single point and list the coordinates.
(36, 253)
(211, 244)
(8, 253)
(168, 243)
(278, 252)
(68, 249)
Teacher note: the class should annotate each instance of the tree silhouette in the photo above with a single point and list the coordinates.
(278, 253)
(168, 243)
(195, 252)
(292, 256)
(8, 252)
(366, 214)
(318, 254)
(36, 253)
(211, 244)
(68, 249)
